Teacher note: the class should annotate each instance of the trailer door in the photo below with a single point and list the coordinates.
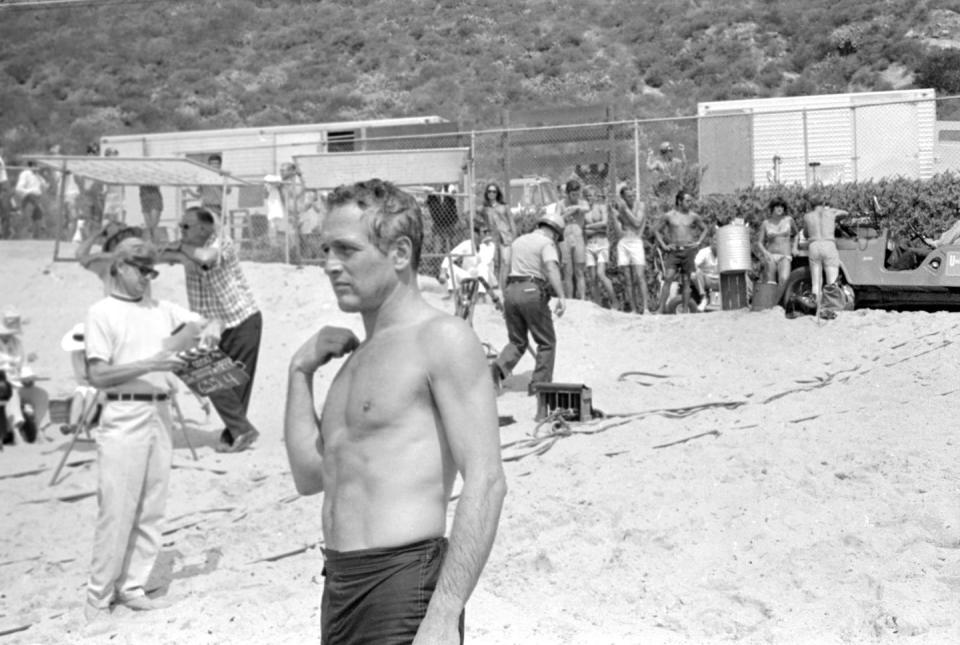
(726, 151)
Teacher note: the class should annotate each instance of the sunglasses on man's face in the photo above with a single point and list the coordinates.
(146, 271)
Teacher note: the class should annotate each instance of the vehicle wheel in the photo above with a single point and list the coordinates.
(675, 306)
(797, 284)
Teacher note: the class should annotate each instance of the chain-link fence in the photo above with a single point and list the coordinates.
(530, 156)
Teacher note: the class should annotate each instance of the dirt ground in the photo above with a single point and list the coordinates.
(756, 480)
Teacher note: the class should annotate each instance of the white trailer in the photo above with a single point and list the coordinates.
(253, 152)
(825, 138)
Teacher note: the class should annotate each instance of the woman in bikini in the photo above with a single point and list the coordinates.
(777, 242)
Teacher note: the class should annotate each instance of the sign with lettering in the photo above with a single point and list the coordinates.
(953, 263)
(210, 371)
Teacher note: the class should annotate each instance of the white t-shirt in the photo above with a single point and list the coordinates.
(120, 331)
(275, 210)
(706, 262)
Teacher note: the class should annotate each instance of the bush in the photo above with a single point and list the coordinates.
(932, 204)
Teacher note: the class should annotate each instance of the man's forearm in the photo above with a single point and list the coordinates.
(471, 538)
(107, 376)
(553, 277)
(301, 434)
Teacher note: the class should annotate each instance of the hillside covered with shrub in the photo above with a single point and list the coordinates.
(73, 72)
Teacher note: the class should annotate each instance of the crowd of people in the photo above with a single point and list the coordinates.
(389, 442)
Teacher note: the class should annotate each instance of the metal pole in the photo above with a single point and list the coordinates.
(60, 201)
(636, 159)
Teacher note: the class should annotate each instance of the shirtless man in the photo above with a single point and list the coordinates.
(630, 219)
(680, 233)
(819, 226)
(597, 248)
(573, 253)
(411, 406)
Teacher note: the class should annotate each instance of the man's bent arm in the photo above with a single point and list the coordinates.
(301, 433)
(464, 396)
(301, 429)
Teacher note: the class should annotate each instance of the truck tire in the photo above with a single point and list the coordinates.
(675, 306)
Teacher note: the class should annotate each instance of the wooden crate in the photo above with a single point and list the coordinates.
(574, 400)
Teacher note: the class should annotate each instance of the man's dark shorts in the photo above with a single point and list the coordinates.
(683, 260)
(379, 596)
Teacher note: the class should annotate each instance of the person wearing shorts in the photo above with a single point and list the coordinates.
(573, 251)
(629, 220)
(374, 595)
(819, 226)
(598, 249)
(680, 233)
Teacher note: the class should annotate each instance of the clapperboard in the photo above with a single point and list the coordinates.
(209, 371)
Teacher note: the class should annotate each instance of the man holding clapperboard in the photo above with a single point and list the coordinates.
(130, 348)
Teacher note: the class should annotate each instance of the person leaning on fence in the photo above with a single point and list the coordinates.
(218, 289)
(534, 273)
(124, 338)
(668, 173)
(409, 409)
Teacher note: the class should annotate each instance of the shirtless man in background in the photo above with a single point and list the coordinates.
(411, 407)
(573, 252)
(680, 233)
(819, 226)
(631, 216)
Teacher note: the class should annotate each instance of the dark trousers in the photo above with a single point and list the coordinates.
(526, 308)
(379, 596)
(241, 343)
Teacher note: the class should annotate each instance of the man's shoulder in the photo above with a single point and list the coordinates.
(444, 332)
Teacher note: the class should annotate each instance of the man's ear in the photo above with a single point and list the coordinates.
(402, 252)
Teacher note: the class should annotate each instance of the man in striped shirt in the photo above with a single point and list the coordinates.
(217, 289)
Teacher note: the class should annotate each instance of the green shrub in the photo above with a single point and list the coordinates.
(931, 204)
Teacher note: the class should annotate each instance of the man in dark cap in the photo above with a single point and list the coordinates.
(534, 272)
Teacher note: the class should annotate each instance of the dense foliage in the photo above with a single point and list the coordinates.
(69, 75)
(930, 206)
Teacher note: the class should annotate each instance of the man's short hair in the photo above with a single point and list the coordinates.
(390, 213)
(215, 157)
(204, 215)
(679, 198)
(573, 185)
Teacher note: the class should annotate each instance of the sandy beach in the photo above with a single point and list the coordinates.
(756, 480)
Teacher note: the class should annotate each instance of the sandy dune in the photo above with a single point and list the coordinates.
(758, 480)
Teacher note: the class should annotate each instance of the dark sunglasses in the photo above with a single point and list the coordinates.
(145, 271)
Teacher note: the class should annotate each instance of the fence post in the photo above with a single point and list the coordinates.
(636, 159)
(505, 159)
(611, 153)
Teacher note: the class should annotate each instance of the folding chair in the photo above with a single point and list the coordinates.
(83, 427)
(86, 421)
